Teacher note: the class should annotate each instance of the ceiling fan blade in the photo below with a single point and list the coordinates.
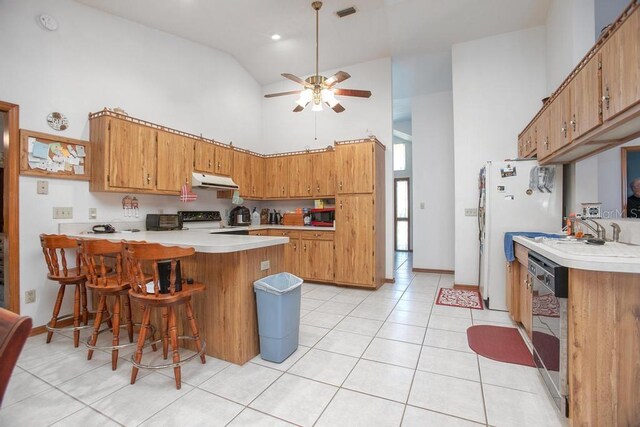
(295, 79)
(299, 108)
(338, 108)
(338, 77)
(291, 92)
(353, 92)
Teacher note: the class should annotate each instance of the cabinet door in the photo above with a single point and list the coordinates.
(292, 257)
(542, 137)
(175, 161)
(526, 300)
(256, 176)
(132, 155)
(354, 239)
(276, 177)
(585, 99)
(559, 132)
(223, 161)
(513, 290)
(521, 146)
(300, 176)
(620, 70)
(316, 259)
(242, 172)
(324, 174)
(204, 157)
(354, 168)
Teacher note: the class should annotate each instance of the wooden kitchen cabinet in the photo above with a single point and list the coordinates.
(223, 161)
(542, 138)
(513, 290)
(291, 250)
(585, 97)
(248, 173)
(174, 161)
(204, 157)
(526, 300)
(620, 69)
(276, 177)
(257, 176)
(355, 239)
(559, 131)
(301, 176)
(317, 258)
(354, 168)
(323, 174)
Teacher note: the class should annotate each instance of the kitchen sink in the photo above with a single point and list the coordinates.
(580, 247)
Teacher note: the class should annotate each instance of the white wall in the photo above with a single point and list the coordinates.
(96, 60)
(283, 130)
(497, 86)
(433, 181)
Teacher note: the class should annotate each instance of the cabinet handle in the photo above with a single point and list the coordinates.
(318, 189)
(283, 191)
(308, 189)
(218, 165)
(606, 98)
(340, 205)
(316, 235)
(295, 247)
(148, 178)
(284, 234)
(564, 129)
(209, 163)
(573, 122)
(304, 248)
(546, 143)
(341, 185)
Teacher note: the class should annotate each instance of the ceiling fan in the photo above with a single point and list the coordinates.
(319, 89)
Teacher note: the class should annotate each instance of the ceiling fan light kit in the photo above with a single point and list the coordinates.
(319, 89)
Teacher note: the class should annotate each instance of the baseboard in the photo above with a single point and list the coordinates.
(432, 270)
(467, 287)
(393, 280)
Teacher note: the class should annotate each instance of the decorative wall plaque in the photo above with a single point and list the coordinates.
(57, 121)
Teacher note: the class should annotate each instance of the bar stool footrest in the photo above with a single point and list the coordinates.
(116, 347)
(73, 328)
(170, 365)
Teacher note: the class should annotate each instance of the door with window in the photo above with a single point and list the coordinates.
(401, 210)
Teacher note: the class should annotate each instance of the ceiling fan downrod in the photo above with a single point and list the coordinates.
(316, 5)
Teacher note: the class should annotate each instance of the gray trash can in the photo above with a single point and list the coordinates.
(278, 301)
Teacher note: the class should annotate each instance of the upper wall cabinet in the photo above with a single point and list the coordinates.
(354, 168)
(175, 160)
(276, 171)
(598, 105)
(323, 174)
(212, 158)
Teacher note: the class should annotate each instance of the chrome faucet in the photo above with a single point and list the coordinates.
(600, 231)
(616, 232)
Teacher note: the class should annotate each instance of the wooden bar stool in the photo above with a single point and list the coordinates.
(96, 255)
(55, 249)
(141, 256)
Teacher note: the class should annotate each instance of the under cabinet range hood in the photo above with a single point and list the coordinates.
(202, 180)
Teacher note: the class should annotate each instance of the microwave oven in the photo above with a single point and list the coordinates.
(323, 217)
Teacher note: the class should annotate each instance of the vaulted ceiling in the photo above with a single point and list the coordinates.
(380, 28)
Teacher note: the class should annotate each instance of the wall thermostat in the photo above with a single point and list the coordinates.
(48, 22)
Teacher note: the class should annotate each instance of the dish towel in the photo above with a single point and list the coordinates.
(508, 241)
(186, 195)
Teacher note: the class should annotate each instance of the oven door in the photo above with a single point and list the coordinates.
(549, 338)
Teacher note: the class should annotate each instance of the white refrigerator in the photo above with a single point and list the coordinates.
(514, 196)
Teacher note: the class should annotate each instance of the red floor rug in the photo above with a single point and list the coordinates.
(499, 343)
(459, 298)
(546, 305)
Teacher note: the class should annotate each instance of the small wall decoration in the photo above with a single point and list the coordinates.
(42, 154)
(57, 121)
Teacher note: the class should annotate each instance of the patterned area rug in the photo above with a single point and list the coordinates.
(459, 298)
(546, 305)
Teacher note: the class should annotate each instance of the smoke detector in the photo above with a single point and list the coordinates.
(48, 22)
(346, 12)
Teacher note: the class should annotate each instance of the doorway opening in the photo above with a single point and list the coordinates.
(402, 203)
(9, 221)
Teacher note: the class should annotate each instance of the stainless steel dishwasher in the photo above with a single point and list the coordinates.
(550, 288)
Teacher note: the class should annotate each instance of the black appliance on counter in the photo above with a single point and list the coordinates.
(163, 222)
(240, 216)
(200, 216)
(549, 286)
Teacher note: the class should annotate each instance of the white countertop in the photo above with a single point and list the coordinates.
(273, 226)
(200, 240)
(567, 256)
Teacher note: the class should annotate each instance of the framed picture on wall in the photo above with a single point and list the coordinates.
(631, 181)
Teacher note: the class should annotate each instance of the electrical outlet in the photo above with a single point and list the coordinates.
(421, 205)
(471, 212)
(265, 265)
(43, 187)
(93, 213)
(62, 212)
(30, 296)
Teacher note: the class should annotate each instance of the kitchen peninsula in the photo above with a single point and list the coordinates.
(227, 265)
(602, 320)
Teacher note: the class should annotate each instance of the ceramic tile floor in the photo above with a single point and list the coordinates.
(384, 358)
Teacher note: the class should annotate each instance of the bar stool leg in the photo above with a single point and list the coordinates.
(56, 311)
(141, 339)
(85, 311)
(173, 333)
(127, 313)
(194, 330)
(76, 315)
(165, 333)
(96, 324)
(116, 332)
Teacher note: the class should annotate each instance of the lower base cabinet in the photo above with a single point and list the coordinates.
(309, 254)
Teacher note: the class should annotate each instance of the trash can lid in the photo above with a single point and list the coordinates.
(277, 284)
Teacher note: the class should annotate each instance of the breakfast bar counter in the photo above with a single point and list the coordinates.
(227, 265)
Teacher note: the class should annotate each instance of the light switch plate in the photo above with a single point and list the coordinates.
(62, 212)
(265, 265)
(30, 296)
(471, 212)
(93, 213)
(421, 205)
(43, 187)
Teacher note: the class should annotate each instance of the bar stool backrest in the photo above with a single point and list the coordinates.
(141, 254)
(97, 254)
(56, 248)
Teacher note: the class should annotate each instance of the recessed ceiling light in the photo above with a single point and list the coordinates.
(276, 37)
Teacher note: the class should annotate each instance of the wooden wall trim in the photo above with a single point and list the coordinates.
(11, 205)
(432, 270)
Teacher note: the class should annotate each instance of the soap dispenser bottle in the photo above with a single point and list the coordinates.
(255, 217)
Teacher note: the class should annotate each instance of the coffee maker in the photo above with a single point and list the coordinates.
(240, 216)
